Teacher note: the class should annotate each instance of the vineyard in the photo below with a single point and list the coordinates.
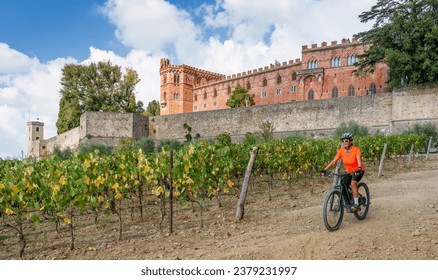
(60, 191)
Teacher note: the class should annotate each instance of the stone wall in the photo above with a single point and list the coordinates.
(385, 112)
(389, 112)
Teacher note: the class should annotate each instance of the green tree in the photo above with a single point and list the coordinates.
(240, 97)
(405, 37)
(153, 108)
(351, 127)
(95, 87)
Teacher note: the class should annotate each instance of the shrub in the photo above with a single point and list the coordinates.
(85, 148)
(352, 127)
(146, 144)
(169, 143)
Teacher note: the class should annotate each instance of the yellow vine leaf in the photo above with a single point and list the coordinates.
(55, 188)
(230, 183)
(115, 186)
(9, 211)
(118, 196)
(62, 181)
(122, 166)
(67, 221)
(86, 163)
(2, 186)
(15, 189)
(100, 198)
(86, 180)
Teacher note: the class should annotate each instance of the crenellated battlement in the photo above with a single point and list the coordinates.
(324, 45)
(166, 66)
(271, 67)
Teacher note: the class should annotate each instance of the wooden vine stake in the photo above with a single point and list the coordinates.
(428, 147)
(410, 156)
(382, 158)
(171, 193)
(244, 190)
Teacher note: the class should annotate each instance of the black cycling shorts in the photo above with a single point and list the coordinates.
(357, 176)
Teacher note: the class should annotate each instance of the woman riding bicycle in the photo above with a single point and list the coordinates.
(352, 160)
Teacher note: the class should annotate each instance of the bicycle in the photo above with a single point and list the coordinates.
(340, 197)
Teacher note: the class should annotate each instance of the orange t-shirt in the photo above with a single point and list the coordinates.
(350, 159)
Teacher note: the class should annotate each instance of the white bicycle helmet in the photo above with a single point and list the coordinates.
(348, 136)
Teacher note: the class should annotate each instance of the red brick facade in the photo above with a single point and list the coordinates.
(323, 72)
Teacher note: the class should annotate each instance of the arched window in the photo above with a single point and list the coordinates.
(278, 79)
(334, 92)
(373, 88)
(352, 59)
(215, 93)
(205, 95)
(265, 82)
(248, 85)
(229, 90)
(351, 90)
(165, 96)
(336, 62)
(175, 96)
(294, 76)
(312, 64)
(310, 95)
(176, 79)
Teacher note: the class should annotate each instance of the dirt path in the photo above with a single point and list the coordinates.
(402, 224)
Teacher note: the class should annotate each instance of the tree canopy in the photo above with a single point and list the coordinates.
(405, 37)
(95, 87)
(240, 97)
(153, 108)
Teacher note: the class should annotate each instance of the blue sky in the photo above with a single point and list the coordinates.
(38, 37)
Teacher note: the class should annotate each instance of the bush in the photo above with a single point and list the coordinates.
(90, 147)
(351, 127)
(62, 154)
(266, 132)
(224, 139)
(250, 139)
(146, 144)
(428, 129)
(170, 144)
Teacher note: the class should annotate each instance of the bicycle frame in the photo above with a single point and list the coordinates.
(346, 191)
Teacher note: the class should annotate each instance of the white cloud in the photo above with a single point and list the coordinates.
(12, 61)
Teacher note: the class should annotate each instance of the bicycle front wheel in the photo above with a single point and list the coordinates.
(364, 201)
(333, 210)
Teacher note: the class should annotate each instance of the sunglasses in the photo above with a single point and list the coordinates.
(345, 141)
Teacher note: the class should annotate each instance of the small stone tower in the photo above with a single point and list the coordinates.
(35, 132)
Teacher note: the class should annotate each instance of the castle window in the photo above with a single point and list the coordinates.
(214, 92)
(312, 64)
(176, 79)
(165, 79)
(215, 103)
(293, 88)
(175, 96)
(195, 108)
(351, 60)
(37, 138)
(334, 92)
(294, 76)
(248, 85)
(351, 90)
(229, 90)
(195, 97)
(278, 91)
(205, 95)
(204, 105)
(37, 129)
(165, 96)
(310, 95)
(265, 82)
(336, 62)
(373, 88)
(264, 94)
(278, 79)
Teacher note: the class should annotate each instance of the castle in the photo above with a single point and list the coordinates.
(197, 98)
(322, 72)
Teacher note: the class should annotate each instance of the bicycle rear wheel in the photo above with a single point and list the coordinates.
(333, 210)
(364, 201)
